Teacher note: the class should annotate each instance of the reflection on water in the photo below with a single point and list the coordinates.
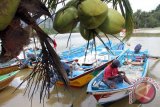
(61, 97)
(17, 81)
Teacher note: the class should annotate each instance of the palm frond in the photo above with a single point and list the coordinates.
(129, 19)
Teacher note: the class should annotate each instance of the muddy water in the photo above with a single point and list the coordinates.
(61, 97)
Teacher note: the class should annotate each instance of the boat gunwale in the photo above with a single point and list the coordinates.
(96, 92)
(90, 71)
(9, 66)
(99, 67)
(12, 74)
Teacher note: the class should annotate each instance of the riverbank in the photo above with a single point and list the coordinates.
(147, 30)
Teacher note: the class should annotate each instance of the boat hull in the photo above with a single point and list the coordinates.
(107, 98)
(106, 95)
(83, 79)
(9, 69)
(6, 79)
(80, 82)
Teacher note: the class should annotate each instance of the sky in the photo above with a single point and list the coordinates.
(144, 5)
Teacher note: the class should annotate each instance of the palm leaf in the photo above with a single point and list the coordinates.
(129, 19)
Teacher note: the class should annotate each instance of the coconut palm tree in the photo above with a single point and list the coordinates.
(14, 37)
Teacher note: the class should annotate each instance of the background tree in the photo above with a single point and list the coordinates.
(144, 19)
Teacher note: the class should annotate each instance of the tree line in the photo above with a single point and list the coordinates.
(144, 19)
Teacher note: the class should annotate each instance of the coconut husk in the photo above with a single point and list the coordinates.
(92, 13)
(113, 23)
(87, 34)
(65, 20)
(14, 38)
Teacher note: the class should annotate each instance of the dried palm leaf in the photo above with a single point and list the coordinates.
(49, 65)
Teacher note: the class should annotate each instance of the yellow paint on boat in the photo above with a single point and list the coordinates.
(6, 79)
(79, 82)
(9, 69)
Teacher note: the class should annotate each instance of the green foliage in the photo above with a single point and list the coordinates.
(147, 19)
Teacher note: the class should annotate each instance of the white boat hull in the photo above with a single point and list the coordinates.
(111, 97)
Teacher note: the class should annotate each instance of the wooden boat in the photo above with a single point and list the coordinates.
(6, 79)
(87, 71)
(103, 94)
(12, 65)
(8, 67)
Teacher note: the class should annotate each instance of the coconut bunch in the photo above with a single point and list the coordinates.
(94, 17)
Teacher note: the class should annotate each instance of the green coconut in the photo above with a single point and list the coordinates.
(92, 13)
(87, 34)
(65, 19)
(92, 7)
(8, 9)
(113, 23)
(92, 22)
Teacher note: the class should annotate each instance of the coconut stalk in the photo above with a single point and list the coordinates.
(14, 38)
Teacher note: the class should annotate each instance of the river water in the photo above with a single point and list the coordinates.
(61, 97)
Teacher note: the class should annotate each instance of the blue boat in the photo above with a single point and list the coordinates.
(103, 94)
(90, 66)
(75, 53)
